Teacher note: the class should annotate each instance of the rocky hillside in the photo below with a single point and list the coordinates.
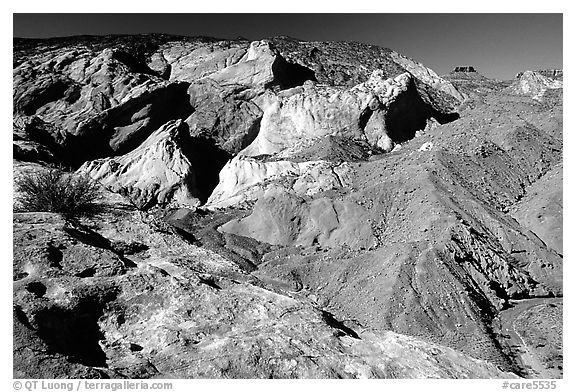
(282, 209)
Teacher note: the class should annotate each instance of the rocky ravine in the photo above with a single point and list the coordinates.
(281, 209)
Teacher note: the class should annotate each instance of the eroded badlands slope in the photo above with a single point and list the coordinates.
(281, 209)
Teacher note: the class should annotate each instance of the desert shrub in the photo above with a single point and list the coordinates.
(54, 190)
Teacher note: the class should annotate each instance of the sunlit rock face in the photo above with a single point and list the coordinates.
(243, 180)
(536, 84)
(312, 111)
(158, 171)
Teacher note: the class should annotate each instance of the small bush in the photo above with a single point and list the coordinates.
(54, 190)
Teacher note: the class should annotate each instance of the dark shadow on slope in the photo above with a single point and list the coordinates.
(408, 114)
(288, 75)
(39, 97)
(332, 322)
(134, 61)
(207, 159)
(75, 332)
(36, 288)
(122, 128)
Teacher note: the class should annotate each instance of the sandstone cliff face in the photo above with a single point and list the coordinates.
(299, 184)
(225, 114)
(94, 101)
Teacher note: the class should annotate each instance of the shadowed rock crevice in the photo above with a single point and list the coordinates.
(74, 331)
(207, 159)
(36, 288)
(50, 92)
(134, 63)
(288, 75)
(122, 128)
(408, 114)
(364, 118)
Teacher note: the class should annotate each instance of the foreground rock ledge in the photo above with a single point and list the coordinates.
(134, 308)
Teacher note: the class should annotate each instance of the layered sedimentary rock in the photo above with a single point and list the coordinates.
(94, 101)
(468, 68)
(549, 73)
(193, 61)
(255, 68)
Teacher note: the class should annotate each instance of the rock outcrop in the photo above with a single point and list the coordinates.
(535, 84)
(115, 299)
(225, 114)
(88, 99)
(380, 111)
(255, 68)
(94, 101)
(156, 172)
(549, 73)
(243, 180)
(468, 68)
(427, 76)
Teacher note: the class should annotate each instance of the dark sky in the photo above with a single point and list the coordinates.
(498, 45)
